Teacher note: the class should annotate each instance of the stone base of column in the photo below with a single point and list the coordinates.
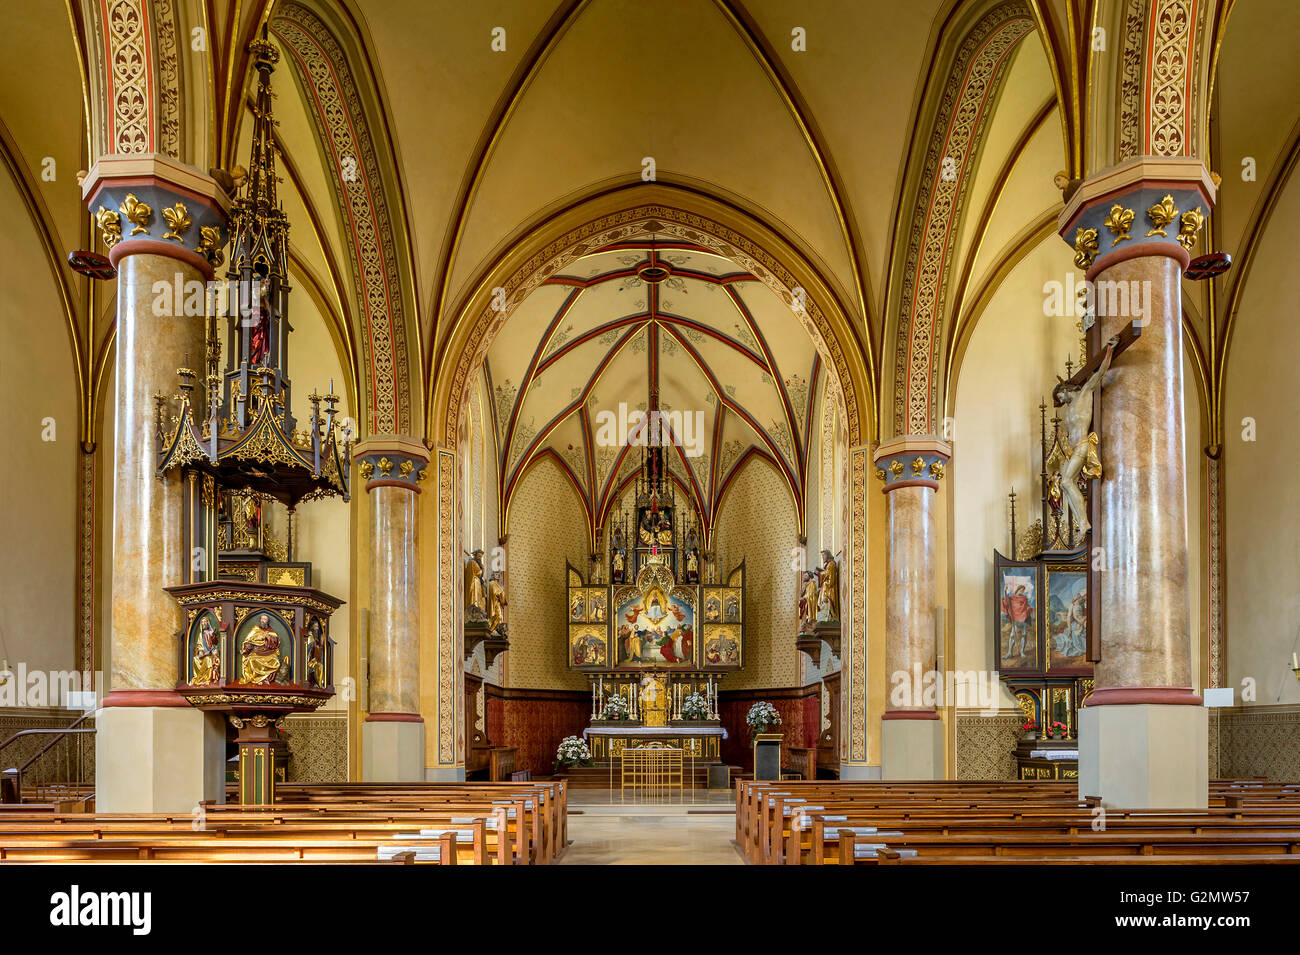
(392, 751)
(158, 759)
(859, 771)
(911, 749)
(444, 774)
(1145, 756)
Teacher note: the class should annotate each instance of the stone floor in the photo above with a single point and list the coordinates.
(696, 829)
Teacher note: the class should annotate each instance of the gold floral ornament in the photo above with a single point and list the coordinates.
(880, 474)
(1161, 215)
(419, 476)
(918, 465)
(367, 470)
(405, 468)
(1119, 221)
(936, 470)
(1085, 247)
(896, 467)
(137, 213)
(1189, 225)
(110, 224)
(385, 466)
(210, 244)
(178, 221)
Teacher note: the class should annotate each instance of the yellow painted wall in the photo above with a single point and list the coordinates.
(38, 494)
(1262, 477)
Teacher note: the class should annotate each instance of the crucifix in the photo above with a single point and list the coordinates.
(1080, 396)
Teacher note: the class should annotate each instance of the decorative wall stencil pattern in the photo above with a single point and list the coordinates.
(757, 525)
(1172, 31)
(320, 66)
(318, 748)
(1130, 86)
(958, 132)
(984, 744)
(1260, 741)
(170, 98)
(129, 74)
(547, 527)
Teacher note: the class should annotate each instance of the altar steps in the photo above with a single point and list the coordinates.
(599, 776)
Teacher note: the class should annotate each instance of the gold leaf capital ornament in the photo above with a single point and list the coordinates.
(1189, 225)
(1161, 215)
(110, 224)
(1119, 221)
(918, 465)
(1085, 247)
(178, 221)
(137, 213)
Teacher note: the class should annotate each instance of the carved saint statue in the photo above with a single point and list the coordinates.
(315, 654)
(261, 650)
(496, 598)
(474, 594)
(808, 601)
(207, 655)
(828, 589)
(1084, 459)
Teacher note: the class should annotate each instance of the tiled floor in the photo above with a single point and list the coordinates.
(604, 831)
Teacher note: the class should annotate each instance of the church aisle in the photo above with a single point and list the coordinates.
(637, 834)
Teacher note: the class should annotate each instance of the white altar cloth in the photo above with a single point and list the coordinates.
(1054, 754)
(654, 731)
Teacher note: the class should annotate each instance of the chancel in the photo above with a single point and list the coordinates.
(691, 432)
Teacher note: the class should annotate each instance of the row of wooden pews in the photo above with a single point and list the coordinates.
(992, 822)
(474, 823)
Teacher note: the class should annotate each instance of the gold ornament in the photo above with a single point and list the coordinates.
(1161, 215)
(1085, 247)
(178, 221)
(896, 467)
(137, 213)
(209, 244)
(385, 466)
(918, 465)
(1189, 225)
(1119, 221)
(880, 474)
(367, 470)
(405, 468)
(936, 470)
(110, 224)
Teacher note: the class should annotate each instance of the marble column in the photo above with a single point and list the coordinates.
(911, 468)
(154, 753)
(1143, 731)
(392, 737)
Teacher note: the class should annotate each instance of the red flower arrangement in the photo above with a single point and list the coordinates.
(1031, 725)
(1057, 729)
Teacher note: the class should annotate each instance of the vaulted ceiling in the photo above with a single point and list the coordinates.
(642, 317)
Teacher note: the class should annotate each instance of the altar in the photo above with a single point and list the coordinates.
(699, 741)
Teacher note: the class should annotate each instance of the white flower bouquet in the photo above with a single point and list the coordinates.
(694, 707)
(573, 752)
(615, 708)
(762, 717)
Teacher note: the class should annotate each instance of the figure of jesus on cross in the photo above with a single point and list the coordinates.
(1078, 399)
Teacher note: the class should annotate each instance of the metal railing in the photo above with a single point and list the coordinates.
(63, 775)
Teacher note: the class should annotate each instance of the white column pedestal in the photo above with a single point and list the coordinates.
(1144, 756)
(911, 749)
(392, 751)
(158, 759)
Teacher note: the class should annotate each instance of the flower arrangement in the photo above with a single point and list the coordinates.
(1057, 730)
(1030, 729)
(762, 717)
(573, 752)
(694, 707)
(615, 708)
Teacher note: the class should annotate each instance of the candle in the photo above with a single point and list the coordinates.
(1295, 661)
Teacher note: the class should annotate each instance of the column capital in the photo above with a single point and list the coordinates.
(1143, 206)
(912, 460)
(153, 204)
(391, 460)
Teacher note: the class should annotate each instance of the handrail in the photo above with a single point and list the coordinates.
(59, 733)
